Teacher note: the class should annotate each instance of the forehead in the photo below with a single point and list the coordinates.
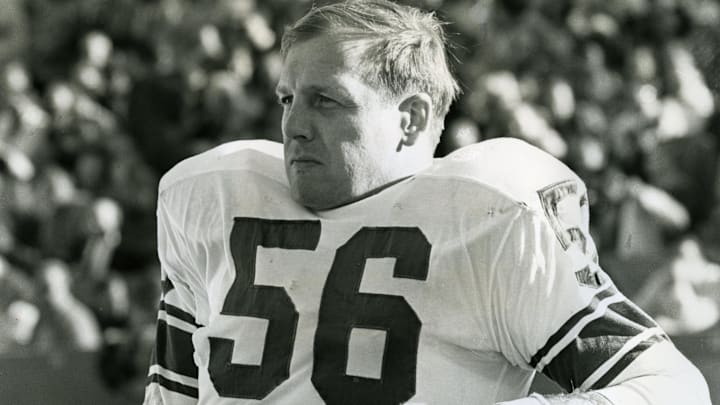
(317, 61)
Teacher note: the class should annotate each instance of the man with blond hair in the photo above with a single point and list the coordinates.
(350, 267)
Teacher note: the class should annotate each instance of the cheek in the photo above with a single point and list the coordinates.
(355, 153)
(361, 142)
(363, 158)
(346, 140)
(381, 135)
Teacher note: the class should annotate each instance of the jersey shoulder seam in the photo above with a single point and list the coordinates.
(496, 191)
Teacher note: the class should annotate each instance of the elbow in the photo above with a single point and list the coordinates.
(661, 376)
(695, 385)
(686, 379)
(680, 387)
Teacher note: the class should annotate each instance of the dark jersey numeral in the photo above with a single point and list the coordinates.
(267, 302)
(342, 308)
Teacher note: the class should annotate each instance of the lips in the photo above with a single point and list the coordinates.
(304, 160)
(304, 163)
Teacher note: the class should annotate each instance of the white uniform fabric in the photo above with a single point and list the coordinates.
(451, 287)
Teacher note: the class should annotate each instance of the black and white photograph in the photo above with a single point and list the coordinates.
(360, 202)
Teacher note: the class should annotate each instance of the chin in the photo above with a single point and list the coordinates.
(318, 192)
(312, 199)
(316, 204)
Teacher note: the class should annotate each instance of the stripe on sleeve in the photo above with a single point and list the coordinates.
(175, 350)
(571, 323)
(173, 385)
(172, 321)
(178, 313)
(632, 312)
(621, 319)
(170, 375)
(603, 348)
(588, 361)
(613, 367)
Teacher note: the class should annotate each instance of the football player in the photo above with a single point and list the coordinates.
(350, 267)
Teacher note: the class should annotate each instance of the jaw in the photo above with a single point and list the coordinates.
(312, 188)
(320, 192)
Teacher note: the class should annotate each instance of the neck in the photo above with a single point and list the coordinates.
(370, 193)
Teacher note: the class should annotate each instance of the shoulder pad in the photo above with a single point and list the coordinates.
(509, 166)
(259, 156)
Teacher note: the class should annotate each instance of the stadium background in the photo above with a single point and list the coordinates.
(98, 98)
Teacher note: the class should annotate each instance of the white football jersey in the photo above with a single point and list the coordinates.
(450, 287)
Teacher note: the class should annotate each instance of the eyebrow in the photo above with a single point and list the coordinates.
(336, 89)
(316, 88)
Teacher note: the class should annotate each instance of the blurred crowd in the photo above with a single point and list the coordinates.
(99, 98)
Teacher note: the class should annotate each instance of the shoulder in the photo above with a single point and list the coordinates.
(255, 158)
(509, 168)
(200, 197)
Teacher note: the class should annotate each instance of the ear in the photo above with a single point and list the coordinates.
(416, 112)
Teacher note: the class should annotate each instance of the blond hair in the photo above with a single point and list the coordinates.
(403, 49)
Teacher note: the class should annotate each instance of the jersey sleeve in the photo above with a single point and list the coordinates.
(555, 309)
(173, 375)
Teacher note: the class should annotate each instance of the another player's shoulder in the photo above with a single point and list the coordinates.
(254, 157)
(507, 166)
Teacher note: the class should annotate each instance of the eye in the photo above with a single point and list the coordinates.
(324, 101)
(285, 100)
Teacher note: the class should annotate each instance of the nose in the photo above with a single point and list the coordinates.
(296, 123)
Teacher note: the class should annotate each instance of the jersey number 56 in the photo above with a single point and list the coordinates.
(342, 307)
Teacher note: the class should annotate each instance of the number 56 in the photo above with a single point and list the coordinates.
(342, 307)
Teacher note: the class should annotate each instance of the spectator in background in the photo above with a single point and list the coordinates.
(66, 324)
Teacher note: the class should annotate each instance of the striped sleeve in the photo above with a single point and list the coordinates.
(597, 343)
(560, 313)
(173, 375)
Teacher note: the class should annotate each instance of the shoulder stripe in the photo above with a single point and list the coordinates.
(175, 350)
(599, 303)
(634, 313)
(178, 313)
(593, 356)
(177, 323)
(620, 360)
(171, 375)
(614, 323)
(586, 360)
(173, 385)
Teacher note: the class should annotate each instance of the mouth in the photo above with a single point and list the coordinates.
(304, 161)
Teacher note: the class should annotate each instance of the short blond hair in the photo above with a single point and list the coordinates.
(403, 48)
